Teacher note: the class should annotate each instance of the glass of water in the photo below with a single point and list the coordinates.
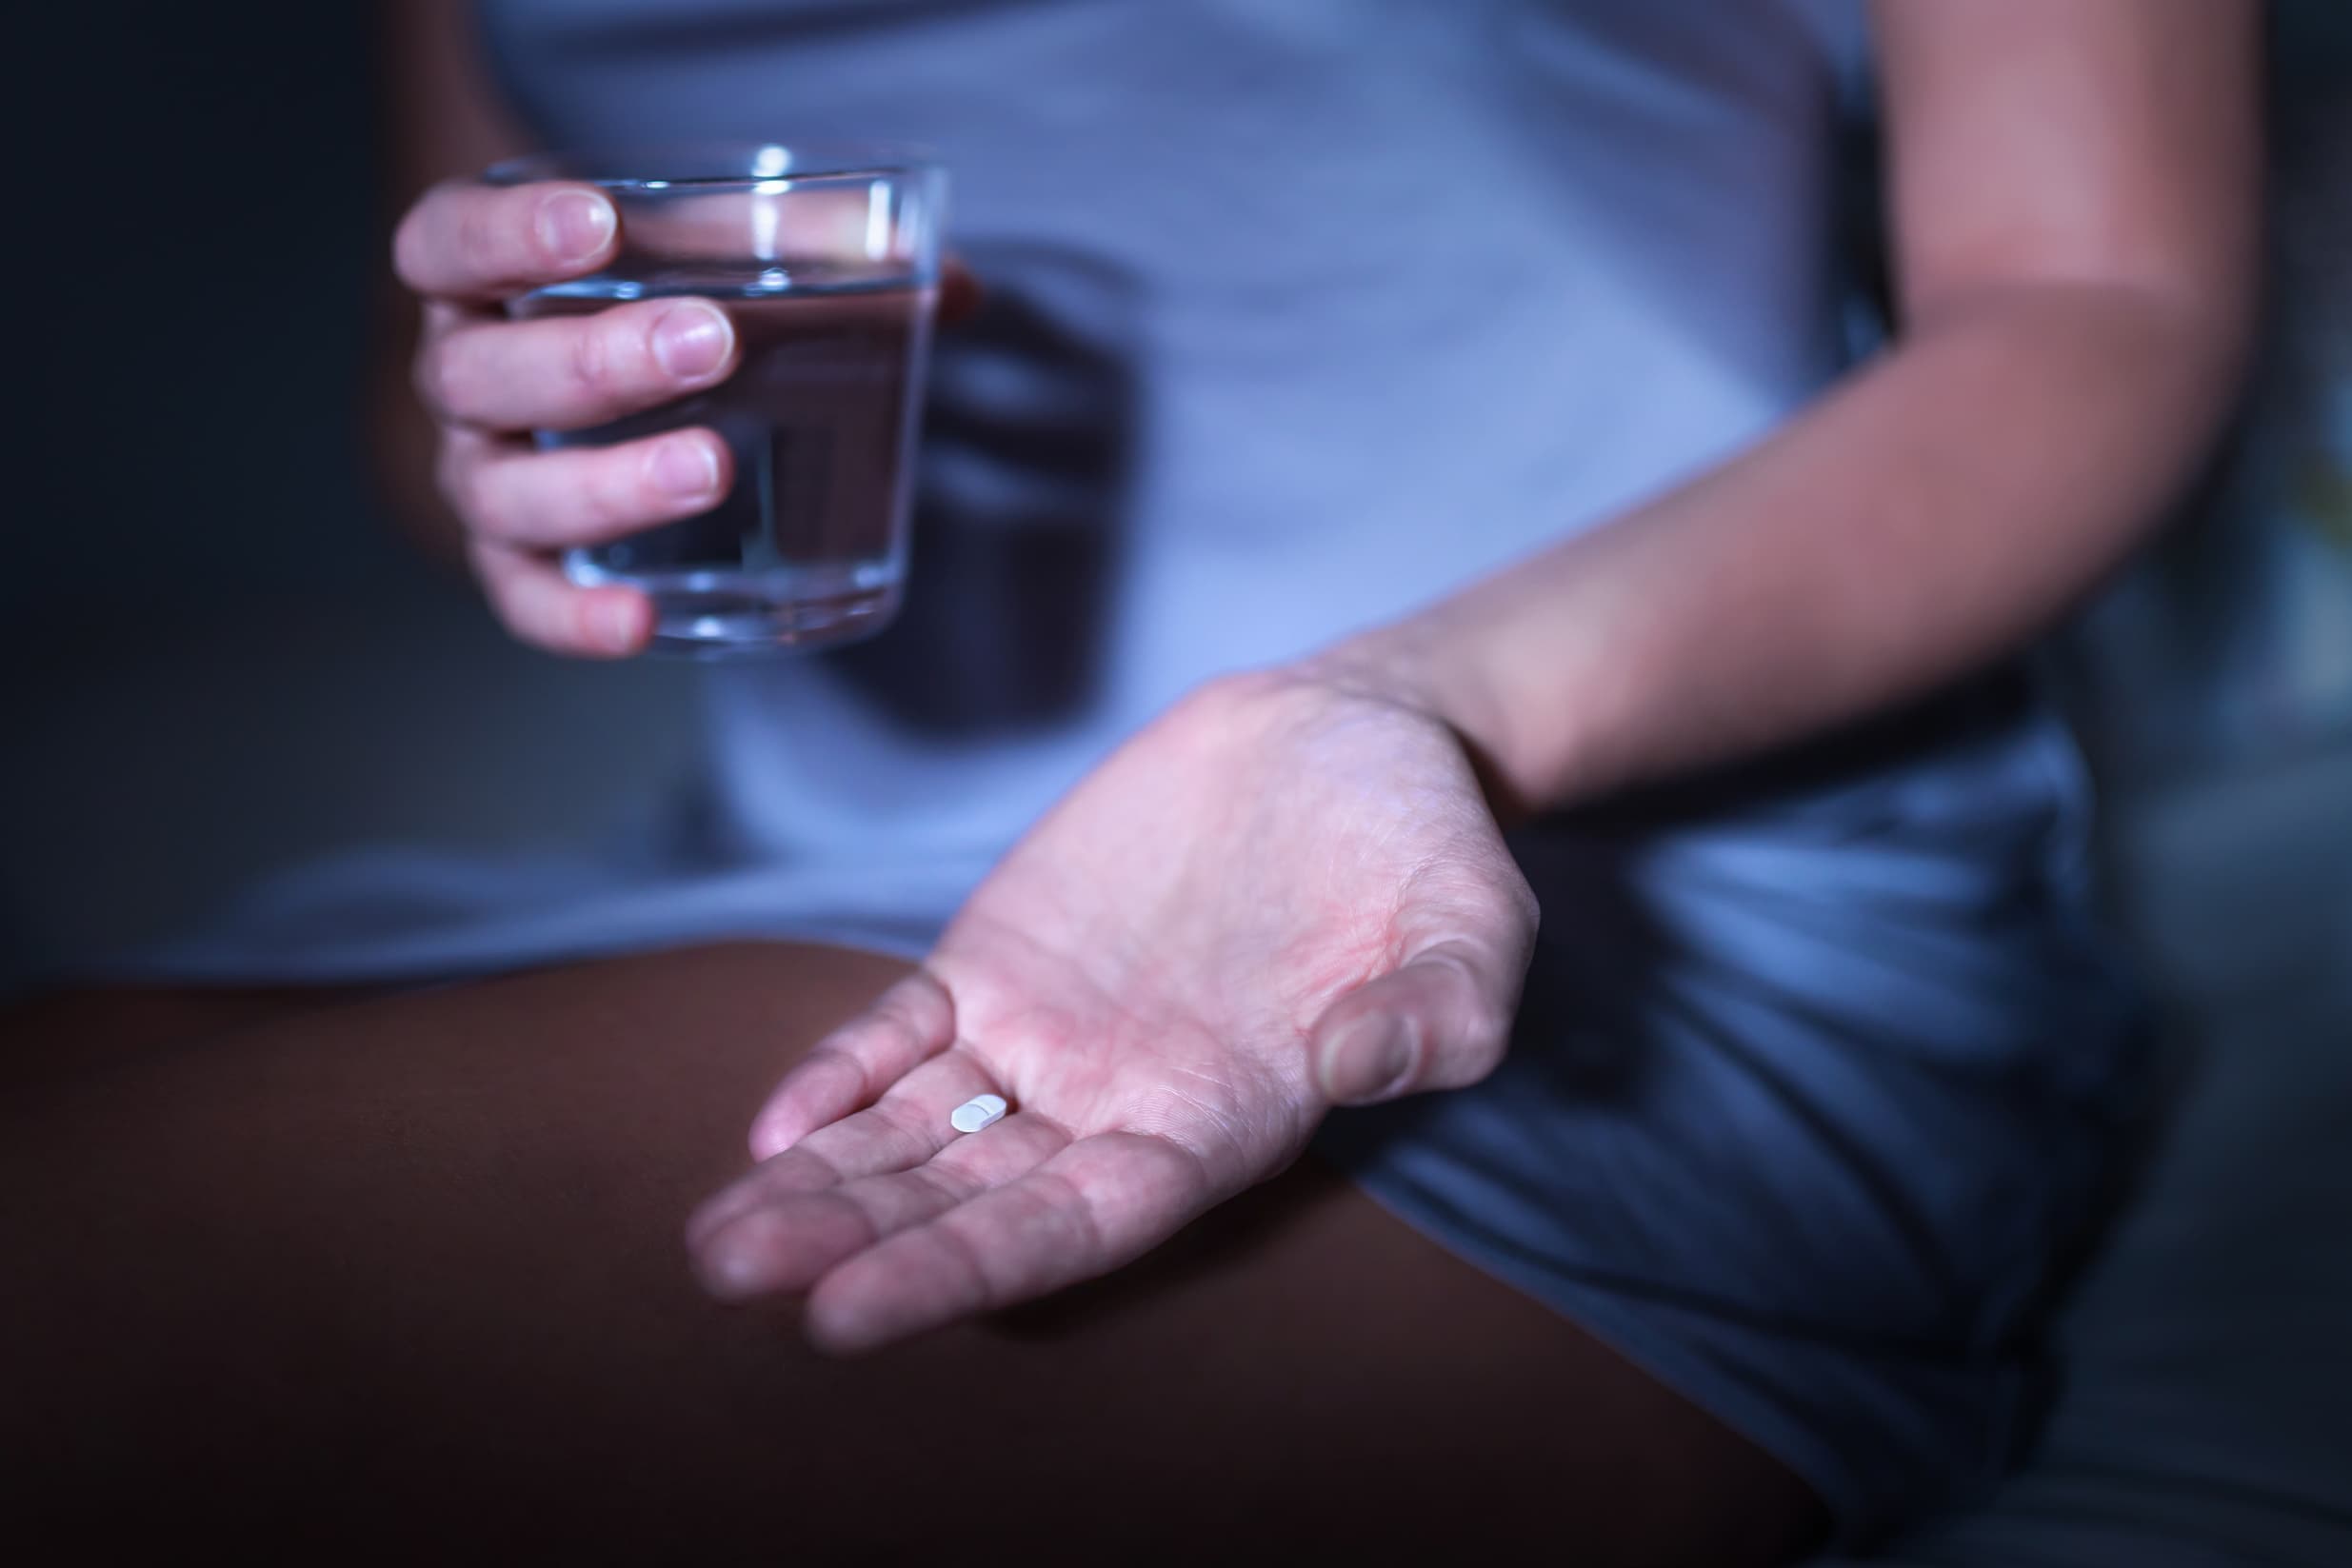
(827, 260)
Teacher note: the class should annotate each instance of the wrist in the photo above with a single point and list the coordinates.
(1421, 663)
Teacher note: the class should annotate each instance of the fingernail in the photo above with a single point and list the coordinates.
(576, 225)
(613, 621)
(691, 341)
(734, 1273)
(769, 1140)
(686, 469)
(1370, 1063)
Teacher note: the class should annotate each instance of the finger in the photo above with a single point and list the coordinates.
(848, 1069)
(516, 495)
(790, 1240)
(1101, 1202)
(569, 372)
(541, 607)
(469, 241)
(1439, 1020)
(906, 1126)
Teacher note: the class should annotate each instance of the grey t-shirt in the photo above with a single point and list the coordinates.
(1304, 313)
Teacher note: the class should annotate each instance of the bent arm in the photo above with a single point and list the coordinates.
(2074, 198)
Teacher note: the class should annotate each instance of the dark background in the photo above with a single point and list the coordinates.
(196, 332)
(217, 656)
(217, 659)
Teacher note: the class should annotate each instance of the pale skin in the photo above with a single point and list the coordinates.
(1290, 892)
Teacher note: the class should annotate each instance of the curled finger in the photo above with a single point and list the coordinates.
(540, 605)
(788, 1240)
(516, 495)
(1100, 1202)
(464, 240)
(851, 1068)
(908, 1125)
(571, 372)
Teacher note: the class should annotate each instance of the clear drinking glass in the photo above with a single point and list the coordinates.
(827, 260)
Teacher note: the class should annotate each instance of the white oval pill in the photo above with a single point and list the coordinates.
(983, 1110)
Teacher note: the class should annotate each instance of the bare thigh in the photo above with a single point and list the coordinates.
(404, 1276)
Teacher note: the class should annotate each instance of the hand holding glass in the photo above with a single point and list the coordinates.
(828, 263)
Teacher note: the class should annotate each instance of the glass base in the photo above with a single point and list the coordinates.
(733, 625)
(727, 614)
(744, 614)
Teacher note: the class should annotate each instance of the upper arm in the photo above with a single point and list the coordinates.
(2108, 142)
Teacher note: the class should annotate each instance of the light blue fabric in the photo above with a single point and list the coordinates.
(1305, 312)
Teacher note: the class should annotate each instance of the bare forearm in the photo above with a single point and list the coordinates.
(1933, 512)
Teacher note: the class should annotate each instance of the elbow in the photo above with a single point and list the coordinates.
(2151, 365)
(2181, 329)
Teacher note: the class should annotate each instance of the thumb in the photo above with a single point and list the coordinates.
(1439, 1021)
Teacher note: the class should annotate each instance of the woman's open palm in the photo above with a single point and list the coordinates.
(1281, 896)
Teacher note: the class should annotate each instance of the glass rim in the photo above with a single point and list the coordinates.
(714, 166)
